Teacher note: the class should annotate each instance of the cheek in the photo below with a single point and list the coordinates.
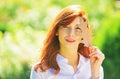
(79, 38)
(62, 32)
(61, 38)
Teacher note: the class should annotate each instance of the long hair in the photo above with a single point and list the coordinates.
(51, 44)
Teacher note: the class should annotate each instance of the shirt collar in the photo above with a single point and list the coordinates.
(62, 60)
(66, 68)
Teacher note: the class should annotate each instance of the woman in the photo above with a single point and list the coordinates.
(67, 52)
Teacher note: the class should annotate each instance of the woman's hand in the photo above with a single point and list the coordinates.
(96, 59)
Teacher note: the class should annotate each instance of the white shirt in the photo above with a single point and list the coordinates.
(67, 71)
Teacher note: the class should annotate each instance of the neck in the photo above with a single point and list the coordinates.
(67, 51)
(71, 55)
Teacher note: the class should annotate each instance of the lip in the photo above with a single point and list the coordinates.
(70, 40)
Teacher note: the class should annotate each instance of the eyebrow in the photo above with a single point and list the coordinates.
(77, 25)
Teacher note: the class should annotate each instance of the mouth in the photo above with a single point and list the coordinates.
(70, 40)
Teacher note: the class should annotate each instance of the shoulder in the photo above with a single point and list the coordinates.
(36, 72)
(39, 74)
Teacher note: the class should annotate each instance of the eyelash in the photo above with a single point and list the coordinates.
(78, 28)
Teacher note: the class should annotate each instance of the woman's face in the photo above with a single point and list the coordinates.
(70, 35)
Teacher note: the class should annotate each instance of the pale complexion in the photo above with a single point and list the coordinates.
(69, 37)
(96, 59)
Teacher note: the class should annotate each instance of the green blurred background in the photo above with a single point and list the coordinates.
(23, 25)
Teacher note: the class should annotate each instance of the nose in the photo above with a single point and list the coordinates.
(72, 32)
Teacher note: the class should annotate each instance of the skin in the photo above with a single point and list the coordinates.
(96, 59)
(69, 38)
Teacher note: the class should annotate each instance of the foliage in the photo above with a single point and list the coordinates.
(111, 47)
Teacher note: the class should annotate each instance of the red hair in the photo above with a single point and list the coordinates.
(51, 44)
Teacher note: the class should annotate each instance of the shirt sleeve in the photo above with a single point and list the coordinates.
(101, 73)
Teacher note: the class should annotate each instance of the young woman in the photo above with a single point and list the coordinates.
(67, 52)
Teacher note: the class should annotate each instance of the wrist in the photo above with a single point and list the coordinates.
(94, 77)
(95, 73)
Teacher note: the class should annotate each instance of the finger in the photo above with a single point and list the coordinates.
(93, 48)
(98, 56)
(94, 51)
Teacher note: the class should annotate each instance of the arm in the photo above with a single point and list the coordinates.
(101, 74)
(96, 59)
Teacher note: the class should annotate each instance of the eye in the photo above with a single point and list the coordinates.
(65, 26)
(78, 28)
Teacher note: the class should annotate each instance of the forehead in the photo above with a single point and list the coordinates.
(77, 21)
